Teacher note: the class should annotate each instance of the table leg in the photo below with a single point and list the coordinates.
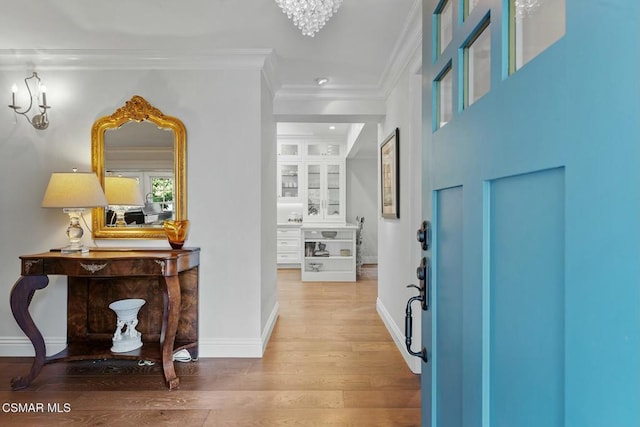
(21, 296)
(171, 315)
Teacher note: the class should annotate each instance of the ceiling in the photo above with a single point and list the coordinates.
(356, 50)
(353, 49)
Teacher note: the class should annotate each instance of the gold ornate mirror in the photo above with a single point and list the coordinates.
(139, 142)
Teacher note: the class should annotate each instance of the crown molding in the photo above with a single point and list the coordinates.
(407, 50)
(310, 138)
(335, 92)
(132, 59)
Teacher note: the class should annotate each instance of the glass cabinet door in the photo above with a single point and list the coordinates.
(323, 149)
(289, 150)
(288, 181)
(334, 203)
(325, 192)
(313, 204)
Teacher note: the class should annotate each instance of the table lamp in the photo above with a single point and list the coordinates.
(74, 192)
(122, 193)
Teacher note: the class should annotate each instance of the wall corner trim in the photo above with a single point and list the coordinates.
(268, 327)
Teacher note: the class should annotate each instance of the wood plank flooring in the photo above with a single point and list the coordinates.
(330, 362)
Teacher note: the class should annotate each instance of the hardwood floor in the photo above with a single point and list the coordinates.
(330, 362)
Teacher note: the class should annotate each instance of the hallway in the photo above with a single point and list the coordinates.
(330, 362)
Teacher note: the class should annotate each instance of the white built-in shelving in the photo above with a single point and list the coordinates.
(328, 259)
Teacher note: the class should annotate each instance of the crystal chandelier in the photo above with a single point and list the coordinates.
(309, 15)
(526, 7)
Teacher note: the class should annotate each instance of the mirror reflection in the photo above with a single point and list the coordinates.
(144, 153)
(139, 155)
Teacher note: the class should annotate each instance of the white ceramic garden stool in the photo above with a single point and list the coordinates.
(126, 338)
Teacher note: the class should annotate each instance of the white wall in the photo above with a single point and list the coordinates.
(399, 253)
(228, 139)
(362, 201)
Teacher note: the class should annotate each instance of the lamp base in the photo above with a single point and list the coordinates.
(74, 232)
(74, 250)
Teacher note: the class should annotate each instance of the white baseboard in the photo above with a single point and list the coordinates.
(369, 259)
(397, 334)
(239, 348)
(22, 347)
(268, 328)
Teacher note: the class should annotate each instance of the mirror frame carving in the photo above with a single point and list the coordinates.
(138, 109)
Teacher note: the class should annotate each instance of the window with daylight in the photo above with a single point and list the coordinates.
(444, 97)
(444, 13)
(162, 192)
(477, 65)
(534, 26)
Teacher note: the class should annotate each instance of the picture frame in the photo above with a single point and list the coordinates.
(390, 176)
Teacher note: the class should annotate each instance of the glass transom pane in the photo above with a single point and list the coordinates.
(469, 5)
(445, 97)
(536, 25)
(445, 25)
(478, 64)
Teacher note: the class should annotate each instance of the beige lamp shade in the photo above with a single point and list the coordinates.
(122, 191)
(74, 190)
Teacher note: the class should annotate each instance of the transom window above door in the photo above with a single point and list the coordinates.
(477, 64)
(534, 25)
(444, 15)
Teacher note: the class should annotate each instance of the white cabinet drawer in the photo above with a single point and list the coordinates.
(289, 233)
(288, 257)
(288, 244)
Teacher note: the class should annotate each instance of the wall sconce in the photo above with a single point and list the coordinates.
(73, 192)
(39, 121)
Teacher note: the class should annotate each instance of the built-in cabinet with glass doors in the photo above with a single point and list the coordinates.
(324, 199)
(311, 179)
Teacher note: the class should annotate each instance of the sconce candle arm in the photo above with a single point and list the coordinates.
(39, 121)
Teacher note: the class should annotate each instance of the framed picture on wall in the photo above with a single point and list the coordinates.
(390, 175)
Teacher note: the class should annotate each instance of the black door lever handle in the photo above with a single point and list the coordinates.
(408, 327)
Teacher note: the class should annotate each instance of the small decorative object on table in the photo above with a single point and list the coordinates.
(315, 266)
(128, 339)
(309, 248)
(321, 251)
(176, 232)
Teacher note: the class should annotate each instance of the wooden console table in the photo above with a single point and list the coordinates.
(166, 279)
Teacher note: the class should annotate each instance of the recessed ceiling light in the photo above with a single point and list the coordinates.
(321, 81)
(332, 127)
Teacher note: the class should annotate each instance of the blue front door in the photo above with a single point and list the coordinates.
(534, 196)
